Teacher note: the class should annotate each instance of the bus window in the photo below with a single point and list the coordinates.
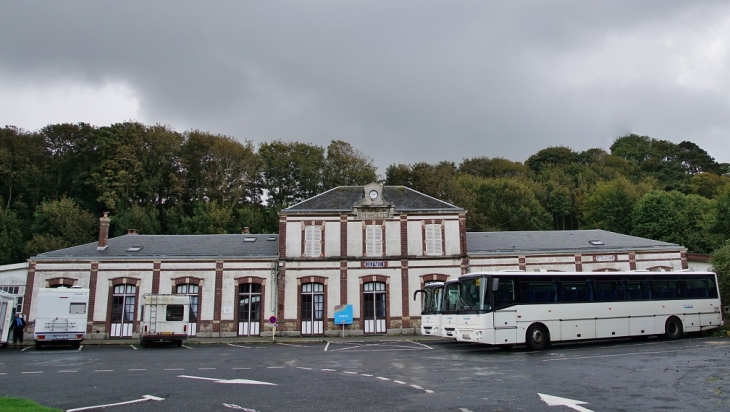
(665, 289)
(608, 290)
(538, 291)
(505, 295)
(469, 295)
(712, 289)
(638, 289)
(574, 292)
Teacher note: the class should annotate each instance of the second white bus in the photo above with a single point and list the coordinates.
(535, 309)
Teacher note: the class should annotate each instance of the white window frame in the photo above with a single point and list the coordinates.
(434, 241)
(373, 240)
(313, 241)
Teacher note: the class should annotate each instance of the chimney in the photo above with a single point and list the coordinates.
(245, 230)
(132, 231)
(103, 231)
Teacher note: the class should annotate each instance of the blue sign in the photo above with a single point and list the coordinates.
(343, 315)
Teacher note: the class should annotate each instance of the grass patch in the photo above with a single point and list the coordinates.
(23, 405)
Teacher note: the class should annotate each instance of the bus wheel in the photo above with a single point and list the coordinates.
(537, 337)
(673, 328)
(179, 343)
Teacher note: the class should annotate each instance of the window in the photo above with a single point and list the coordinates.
(638, 289)
(434, 244)
(538, 291)
(505, 294)
(608, 290)
(175, 313)
(665, 289)
(575, 292)
(373, 240)
(313, 241)
(77, 308)
(192, 291)
(123, 303)
(18, 291)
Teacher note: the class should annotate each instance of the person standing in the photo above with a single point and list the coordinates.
(18, 326)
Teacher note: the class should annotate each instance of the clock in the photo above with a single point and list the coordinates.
(373, 194)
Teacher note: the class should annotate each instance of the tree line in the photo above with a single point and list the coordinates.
(58, 180)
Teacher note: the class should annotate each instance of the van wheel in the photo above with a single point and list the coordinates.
(673, 328)
(75, 345)
(537, 337)
(179, 343)
(38, 345)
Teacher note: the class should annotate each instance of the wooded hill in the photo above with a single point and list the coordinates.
(57, 182)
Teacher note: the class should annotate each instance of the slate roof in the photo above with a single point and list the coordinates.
(557, 241)
(342, 199)
(173, 246)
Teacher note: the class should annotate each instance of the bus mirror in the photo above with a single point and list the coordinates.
(495, 284)
(417, 292)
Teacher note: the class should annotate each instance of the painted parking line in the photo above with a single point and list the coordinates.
(104, 370)
(28, 373)
(133, 347)
(174, 369)
(69, 371)
(145, 398)
(133, 370)
(186, 347)
(239, 346)
(608, 356)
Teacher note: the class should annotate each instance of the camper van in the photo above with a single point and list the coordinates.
(61, 315)
(164, 318)
(6, 317)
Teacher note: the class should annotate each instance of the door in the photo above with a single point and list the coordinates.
(249, 309)
(374, 307)
(191, 290)
(123, 303)
(312, 306)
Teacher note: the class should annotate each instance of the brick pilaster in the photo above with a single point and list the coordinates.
(93, 276)
(29, 284)
(156, 277)
(405, 292)
(218, 296)
(632, 261)
(343, 282)
(578, 263)
(343, 235)
(404, 235)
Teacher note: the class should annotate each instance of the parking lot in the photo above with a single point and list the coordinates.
(367, 374)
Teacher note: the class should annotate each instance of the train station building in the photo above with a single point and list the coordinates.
(369, 246)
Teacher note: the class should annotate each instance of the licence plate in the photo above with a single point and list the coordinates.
(466, 336)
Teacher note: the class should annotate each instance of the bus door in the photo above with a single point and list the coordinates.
(505, 311)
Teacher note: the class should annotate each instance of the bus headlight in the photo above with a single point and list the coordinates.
(478, 335)
(435, 329)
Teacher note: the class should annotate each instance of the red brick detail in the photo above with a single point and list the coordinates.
(280, 293)
(685, 263)
(374, 278)
(282, 236)
(156, 277)
(110, 301)
(462, 234)
(404, 235)
(93, 276)
(523, 266)
(218, 296)
(343, 282)
(62, 282)
(343, 235)
(433, 277)
(578, 263)
(29, 283)
(405, 292)
(255, 280)
(311, 279)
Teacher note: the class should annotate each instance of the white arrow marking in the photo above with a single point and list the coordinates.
(145, 398)
(242, 381)
(232, 406)
(558, 401)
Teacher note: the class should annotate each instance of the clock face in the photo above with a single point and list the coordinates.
(373, 194)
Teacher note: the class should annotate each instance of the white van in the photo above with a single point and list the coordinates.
(6, 317)
(164, 318)
(61, 315)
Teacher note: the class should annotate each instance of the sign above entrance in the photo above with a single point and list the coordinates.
(343, 315)
(374, 264)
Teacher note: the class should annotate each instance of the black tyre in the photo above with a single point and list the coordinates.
(673, 328)
(75, 345)
(179, 343)
(505, 347)
(537, 337)
(38, 345)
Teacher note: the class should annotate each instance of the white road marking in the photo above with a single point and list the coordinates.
(3, 373)
(558, 401)
(465, 410)
(350, 373)
(234, 406)
(239, 346)
(25, 349)
(400, 382)
(429, 391)
(418, 343)
(274, 367)
(81, 347)
(145, 398)
(608, 356)
(138, 369)
(205, 369)
(174, 369)
(32, 372)
(186, 347)
(302, 367)
(328, 370)
(104, 370)
(216, 380)
(382, 378)
(290, 344)
(133, 347)
(239, 368)
(326, 346)
(417, 387)
(365, 374)
(67, 371)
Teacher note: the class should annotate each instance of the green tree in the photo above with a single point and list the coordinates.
(291, 172)
(144, 219)
(708, 184)
(347, 166)
(509, 204)
(720, 261)
(59, 224)
(209, 218)
(552, 156)
(494, 168)
(23, 159)
(11, 237)
(610, 204)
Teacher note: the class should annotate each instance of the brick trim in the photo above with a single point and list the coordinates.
(29, 284)
(218, 296)
(93, 278)
(156, 265)
(62, 282)
(433, 277)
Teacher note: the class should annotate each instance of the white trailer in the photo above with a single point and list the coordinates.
(61, 315)
(164, 318)
(6, 316)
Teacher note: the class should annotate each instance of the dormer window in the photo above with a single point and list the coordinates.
(596, 242)
(134, 248)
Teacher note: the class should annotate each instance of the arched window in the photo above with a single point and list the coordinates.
(193, 291)
(123, 303)
(249, 309)
(312, 306)
(374, 307)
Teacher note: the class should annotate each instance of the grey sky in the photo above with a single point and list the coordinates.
(403, 81)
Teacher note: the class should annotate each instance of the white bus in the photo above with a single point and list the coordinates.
(511, 308)
(431, 310)
(449, 308)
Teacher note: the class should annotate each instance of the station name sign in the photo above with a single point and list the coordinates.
(374, 264)
(604, 258)
(374, 214)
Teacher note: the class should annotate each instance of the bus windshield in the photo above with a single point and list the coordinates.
(451, 297)
(432, 300)
(474, 295)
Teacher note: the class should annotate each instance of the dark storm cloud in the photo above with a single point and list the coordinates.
(402, 81)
